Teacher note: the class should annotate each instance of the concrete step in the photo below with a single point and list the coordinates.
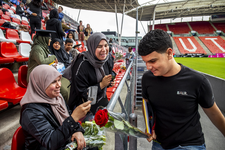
(175, 48)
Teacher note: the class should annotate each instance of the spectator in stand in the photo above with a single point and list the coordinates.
(61, 15)
(45, 119)
(64, 25)
(71, 36)
(88, 31)
(35, 8)
(11, 2)
(91, 70)
(20, 10)
(54, 24)
(175, 92)
(60, 53)
(39, 53)
(58, 50)
(70, 49)
(80, 30)
(129, 57)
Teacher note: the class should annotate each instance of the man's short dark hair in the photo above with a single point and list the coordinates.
(68, 40)
(61, 7)
(155, 40)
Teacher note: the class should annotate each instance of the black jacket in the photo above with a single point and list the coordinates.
(42, 130)
(37, 10)
(19, 10)
(55, 25)
(81, 80)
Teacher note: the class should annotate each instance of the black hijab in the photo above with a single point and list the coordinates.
(60, 54)
(54, 14)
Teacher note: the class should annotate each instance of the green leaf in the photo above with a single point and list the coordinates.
(128, 124)
(131, 132)
(118, 124)
(111, 118)
(108, 124)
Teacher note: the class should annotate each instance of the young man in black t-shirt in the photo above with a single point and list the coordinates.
(174, 92)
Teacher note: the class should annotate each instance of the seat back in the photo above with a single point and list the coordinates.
(2, 21)
(8, 49)
(25, 19)
(25, 36)
(12, 34)
(18, 140)
(22, 76)
(16, 16)
(2, 36)
(6, 17)
(1, 12)
(8, 13)
(11, 11)
(7, 80)
(16, 20)
(24, 49)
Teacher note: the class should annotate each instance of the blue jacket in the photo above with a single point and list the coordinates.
(61, 15)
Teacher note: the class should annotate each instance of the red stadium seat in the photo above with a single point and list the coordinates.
(6, 17)
(1, 12)
(111, 89)
(2, 22)
(10, 90)
(109, 95)
(13, 35)
(18, 140)
(6, 6)
(24, 22)
(22, 76)
(7, 13)
(3, 104)
(6, 60)
(13, 10)
(9, 50)
(16, 20)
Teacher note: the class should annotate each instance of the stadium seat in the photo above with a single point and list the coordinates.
(11, 11)
(1, 12)
(16, 20)
(25, 19)
(9, 50)
(6, 17)
(109, 95)
(18, 140)
(7, 13)
(3, 104)
(10, 90)
(24, 49)
(13, 35)
(6, 6)
(2, 22)
(24, 22)
(14, 11)
(25, 36)
(6, 60)
(22, 76)
(16, 16)
(2, 37)
(111, 89)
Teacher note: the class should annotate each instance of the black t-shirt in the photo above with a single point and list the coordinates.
(175, 102)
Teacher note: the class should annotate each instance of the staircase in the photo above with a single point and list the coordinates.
(141, 68)
(175, 48)
(203, 46)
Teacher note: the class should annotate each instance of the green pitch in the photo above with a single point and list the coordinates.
(212, 66)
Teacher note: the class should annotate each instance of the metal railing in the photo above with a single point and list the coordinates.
(127, 108)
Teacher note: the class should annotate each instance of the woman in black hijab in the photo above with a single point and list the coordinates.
(54, 24)
(91, 69)
(60, 53)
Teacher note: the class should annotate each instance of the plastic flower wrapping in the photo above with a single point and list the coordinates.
(118, 55)
(94, 136)
(113, 122)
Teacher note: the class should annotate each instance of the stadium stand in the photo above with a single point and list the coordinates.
(203, 27)
(220, 26)
(214, 43)
(188, 45)
(160, 26)
(10, 90)
(5, 17)
(12, 34)
(18, 140)
(9, 50)
(179, 28)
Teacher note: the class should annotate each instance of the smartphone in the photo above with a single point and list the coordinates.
(92, 94)
(113, 75)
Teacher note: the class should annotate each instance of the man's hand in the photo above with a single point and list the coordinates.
(151, 137)
(34, 14)
(80, 140)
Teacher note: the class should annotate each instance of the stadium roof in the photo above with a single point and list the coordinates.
(100, 5)
(178, 9)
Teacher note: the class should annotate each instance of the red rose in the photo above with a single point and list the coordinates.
(101, 117)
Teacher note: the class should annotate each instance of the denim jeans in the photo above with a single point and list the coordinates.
(157, 146)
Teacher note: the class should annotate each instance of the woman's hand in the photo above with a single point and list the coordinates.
(112, 83)
(105, 81)
(80, 140)
(81, 111)
(151, 137)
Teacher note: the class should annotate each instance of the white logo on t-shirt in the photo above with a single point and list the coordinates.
(181, 93)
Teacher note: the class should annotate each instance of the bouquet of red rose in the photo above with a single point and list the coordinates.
(115, 123)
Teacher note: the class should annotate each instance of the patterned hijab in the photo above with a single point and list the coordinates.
(40, 78)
